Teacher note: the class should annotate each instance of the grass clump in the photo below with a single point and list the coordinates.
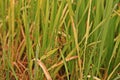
(59, 39)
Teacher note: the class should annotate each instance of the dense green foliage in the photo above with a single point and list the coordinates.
(59, 39)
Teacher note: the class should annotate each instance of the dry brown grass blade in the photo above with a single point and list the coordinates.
(45, 70)
(61, 62)
(77, 45)
(94, 77)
